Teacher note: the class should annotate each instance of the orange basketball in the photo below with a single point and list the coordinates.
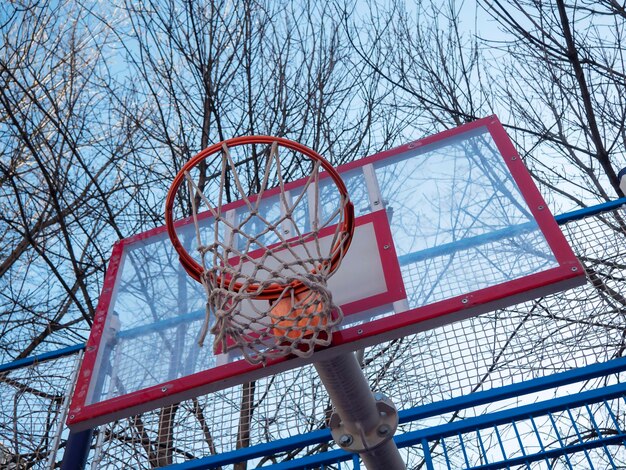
(286, 321)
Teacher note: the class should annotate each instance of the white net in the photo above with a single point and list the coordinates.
(266, 278)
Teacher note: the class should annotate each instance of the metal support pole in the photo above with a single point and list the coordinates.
(79, 443)
(77, 450)
(362, 422)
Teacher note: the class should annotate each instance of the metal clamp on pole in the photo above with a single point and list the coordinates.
(356, 439)
(362, 422)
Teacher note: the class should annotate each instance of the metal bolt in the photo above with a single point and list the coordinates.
(376, 203)
(514, 158)
(383, 430)
(164, 389)
(345, 440)
(464, 301)
(540, 208)
(574, 268)
(71, 416)
(359, 331)
(386, 247)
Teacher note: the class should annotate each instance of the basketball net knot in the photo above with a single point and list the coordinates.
(294, 323)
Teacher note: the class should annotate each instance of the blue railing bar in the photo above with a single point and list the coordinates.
(613, 418)
(589, 211)
(515, 390)
(507, 416)
(260, 450)
(519, 439)
(311, 461)
(427, 457)
(462, 444)
(538, 435)
(554, 453)
(29, 361)
(573, 421)
(599, 433)
(482, 447)
(500, 444)
(558, 436)
(445, 453)
(470, 242)
(403, 260)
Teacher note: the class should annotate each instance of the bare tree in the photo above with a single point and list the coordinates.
(101, 104)
(554, 73)
(200, 72)
(63, 197)
(62, 192)
(567, 96)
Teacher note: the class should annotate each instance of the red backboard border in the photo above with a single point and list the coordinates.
(568, 274)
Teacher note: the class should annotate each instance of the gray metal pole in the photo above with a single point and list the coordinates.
(363, 422)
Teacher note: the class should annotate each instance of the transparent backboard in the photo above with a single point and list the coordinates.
(448, 227)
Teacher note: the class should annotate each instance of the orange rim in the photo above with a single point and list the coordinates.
(195, 269)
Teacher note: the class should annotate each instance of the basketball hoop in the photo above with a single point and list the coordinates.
(266, 286)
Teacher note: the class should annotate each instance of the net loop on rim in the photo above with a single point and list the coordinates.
(265, 299)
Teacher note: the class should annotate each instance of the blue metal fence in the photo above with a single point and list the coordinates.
(614, 433)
